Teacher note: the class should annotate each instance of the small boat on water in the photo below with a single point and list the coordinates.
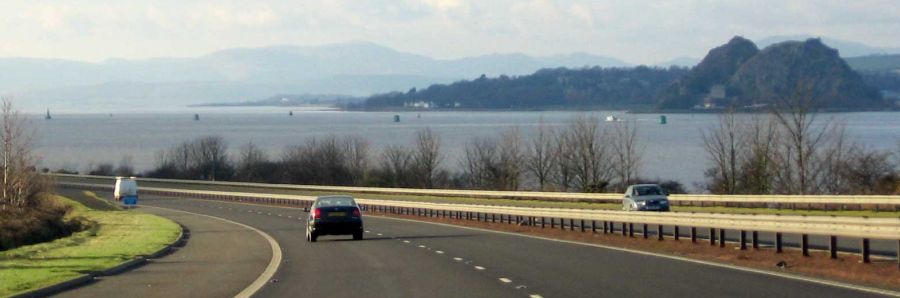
(611, 118)
(48, 117)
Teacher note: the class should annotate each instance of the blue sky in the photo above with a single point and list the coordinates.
(636, 31)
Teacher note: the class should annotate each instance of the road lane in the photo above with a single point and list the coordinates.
(219, 260)
(416, 259)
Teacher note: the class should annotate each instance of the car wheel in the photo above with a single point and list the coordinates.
(358, 236)
(313, 237)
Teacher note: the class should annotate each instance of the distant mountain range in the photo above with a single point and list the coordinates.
(249, 74)
(233, 75)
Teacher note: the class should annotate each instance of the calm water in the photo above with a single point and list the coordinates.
(672, 151)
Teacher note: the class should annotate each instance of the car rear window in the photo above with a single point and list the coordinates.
(649, 191)
(330, 202)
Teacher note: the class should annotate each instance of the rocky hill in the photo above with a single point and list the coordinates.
(737, 74)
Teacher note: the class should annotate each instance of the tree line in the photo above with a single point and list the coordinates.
(792, 150)
(580, 156)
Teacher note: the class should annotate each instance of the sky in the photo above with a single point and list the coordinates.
(635, 31)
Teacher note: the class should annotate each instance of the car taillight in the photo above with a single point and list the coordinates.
(356, 212)
(317, 213)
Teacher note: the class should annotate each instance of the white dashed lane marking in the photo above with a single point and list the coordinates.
(479, 268)
(405, 241)
(535, 296)
(457, 259)
(505, 280)
(421, 246)
(440, 252)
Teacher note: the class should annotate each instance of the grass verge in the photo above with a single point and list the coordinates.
(112, 236)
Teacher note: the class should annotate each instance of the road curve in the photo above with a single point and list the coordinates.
(220, 259)
(411, 259)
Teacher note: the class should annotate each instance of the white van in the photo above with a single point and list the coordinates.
(126, 190)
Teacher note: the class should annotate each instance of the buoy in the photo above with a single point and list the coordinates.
(396, 118)
(662, 119)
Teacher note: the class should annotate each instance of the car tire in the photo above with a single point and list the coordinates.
(358, 236)
(313, 237)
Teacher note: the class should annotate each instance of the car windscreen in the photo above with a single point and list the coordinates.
(649, 191)
(334, 202)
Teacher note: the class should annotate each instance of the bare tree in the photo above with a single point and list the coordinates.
(589, 157)
(211, 154)
(870, 171)
(563, 171)
(396, 166)
(627, 153)
(758, 162)
(721, 144)
(357, 154)
(20, 179)
(541, 156)
(253, 164)
(427, 157)
(802, 139)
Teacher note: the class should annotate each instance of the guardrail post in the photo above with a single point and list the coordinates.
(624, 230)
(865, 250)
(804, 244)
(743, 240)
(694, 234)
(582, 226)
(552, 223)
(571, 224)
(659, 232)
(898, 253)
(712, 236)
(832, 247)
(605, 228)
(562, 223)
(721, 237)
(778, 244)
(676, 233)
(754, 237)
(644, 231)
(630, 229)
(542, 222)
(593, 226)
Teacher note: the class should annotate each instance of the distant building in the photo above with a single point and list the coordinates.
(419, 104)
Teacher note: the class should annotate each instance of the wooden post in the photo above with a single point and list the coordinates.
(778, 245)
(743, 240)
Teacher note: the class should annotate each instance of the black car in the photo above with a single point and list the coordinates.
(334, 215)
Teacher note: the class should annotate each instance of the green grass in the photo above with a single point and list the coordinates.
(113, 236)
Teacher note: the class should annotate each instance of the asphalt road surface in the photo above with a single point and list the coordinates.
(402, 258)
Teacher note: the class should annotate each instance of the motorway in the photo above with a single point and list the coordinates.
(401, 258)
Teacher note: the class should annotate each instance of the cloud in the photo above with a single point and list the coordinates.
(638, 31)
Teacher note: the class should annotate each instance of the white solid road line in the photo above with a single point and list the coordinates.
(714, 264)
(271, 268)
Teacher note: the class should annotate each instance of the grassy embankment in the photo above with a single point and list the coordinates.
(112, 237)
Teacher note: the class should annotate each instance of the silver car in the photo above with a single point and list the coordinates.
(645, 197)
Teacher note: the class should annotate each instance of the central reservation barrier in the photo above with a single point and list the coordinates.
(603, 221)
